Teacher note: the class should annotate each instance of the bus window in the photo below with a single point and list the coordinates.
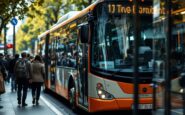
(60, 51)
(112, 45)
(68, 49)
(113, 42)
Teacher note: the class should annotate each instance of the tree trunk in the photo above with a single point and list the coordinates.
(0, 31)
(90, 2)
(1, 27)
(4, 22)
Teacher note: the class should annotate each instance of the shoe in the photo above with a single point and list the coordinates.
(19, 102)
(37, 102)
(24, 104)
(33, 102)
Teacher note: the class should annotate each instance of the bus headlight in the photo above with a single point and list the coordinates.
(99, 92)
(102, 93)
(103, 96)
(181, 90)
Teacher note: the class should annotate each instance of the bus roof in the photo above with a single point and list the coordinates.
(74, 17)
(69, 17)
(43, 34)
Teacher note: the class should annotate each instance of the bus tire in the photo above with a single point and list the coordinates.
(147, 112)
(72, 98)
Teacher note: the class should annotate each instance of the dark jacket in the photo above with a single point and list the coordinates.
(3, 70)
(12, 65)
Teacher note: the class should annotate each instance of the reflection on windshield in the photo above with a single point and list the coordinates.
(112, 47)
(113, 43)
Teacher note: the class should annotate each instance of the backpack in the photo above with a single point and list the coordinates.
(21, 69)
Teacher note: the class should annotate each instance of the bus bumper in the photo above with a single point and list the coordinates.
(96, 105)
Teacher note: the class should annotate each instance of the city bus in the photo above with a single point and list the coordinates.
(89, 56)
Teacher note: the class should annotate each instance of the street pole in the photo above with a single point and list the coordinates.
(14, 23)
(168, 65)
(14, 43)
(5, 48)
(183, 101)
(46, 49)
(136, 64)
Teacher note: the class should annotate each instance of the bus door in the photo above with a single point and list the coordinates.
(83, 74)
(53, 66)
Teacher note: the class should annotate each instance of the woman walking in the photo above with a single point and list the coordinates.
(37, 78)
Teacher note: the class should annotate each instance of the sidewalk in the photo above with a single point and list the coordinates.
(10, 106)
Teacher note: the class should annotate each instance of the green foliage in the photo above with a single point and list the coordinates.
(43, 14)
(12, 8)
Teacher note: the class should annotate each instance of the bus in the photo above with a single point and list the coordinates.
(89, 56)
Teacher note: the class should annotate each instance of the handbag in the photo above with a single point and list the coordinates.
(2, 85)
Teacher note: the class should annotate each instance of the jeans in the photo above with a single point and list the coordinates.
(36, 88)
(22, 85)
(13, 82)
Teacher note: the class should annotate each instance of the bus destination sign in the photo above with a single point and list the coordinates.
(131, 9)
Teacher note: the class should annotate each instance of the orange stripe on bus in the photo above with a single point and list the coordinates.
(102, 105)
(129, 88)
(81, 14)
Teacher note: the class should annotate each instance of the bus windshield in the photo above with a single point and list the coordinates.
(113, 42)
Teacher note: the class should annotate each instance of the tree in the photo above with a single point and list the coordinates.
(81, 4)
(12, 8)
(41, 17)
(29, 31)
(38, 18)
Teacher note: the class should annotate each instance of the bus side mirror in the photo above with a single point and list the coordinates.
(84, 33)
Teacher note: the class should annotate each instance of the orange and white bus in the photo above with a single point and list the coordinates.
(89, 56)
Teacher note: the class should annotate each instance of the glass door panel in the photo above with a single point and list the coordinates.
(177, 55)
(159, 52)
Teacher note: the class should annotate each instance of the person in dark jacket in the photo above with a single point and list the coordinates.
(7, 62)
(3, 72)
(22, 72)
(4, 63)
(11, 72)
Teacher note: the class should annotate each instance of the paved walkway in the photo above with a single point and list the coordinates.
(10, 106)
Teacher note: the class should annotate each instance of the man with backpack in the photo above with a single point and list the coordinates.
(23, 74)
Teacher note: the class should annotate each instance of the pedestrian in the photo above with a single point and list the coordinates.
(7, 66)
(30, 58)
(3, 75)
(22, 72)
(37, 78)
(4, 63)
(11, 72)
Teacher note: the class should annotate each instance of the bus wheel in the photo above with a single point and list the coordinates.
(72, 98)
